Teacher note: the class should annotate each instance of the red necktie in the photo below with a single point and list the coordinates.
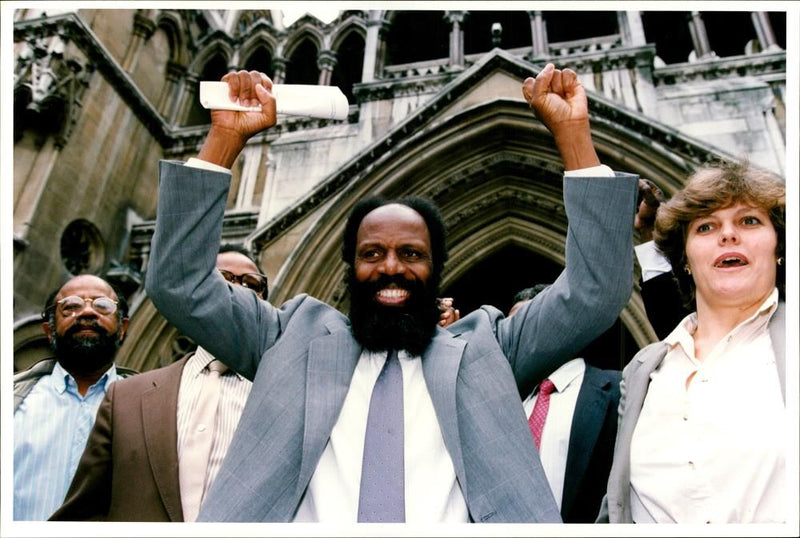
(539, 414)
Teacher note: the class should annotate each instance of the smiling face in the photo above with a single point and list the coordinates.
(393, 285)
(731, 254)
(393, 240)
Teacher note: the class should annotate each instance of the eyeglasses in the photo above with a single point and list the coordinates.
(252, 281)
(70, 306)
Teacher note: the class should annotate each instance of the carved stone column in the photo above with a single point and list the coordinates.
(143, 29)
(373, 48)
(169, 93)
(455, 18)
(766, 36)
(631, 28)
(326, 62)
(538, 35)
(187, 93)
(278, 69)
(697, 28)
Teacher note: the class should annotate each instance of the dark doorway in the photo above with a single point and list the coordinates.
(496, 279)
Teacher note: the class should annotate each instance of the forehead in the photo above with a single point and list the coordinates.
(86, 286)
(733, 209)
(235, 262)
(393, 224)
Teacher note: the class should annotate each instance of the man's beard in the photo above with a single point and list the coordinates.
(379, 328)
(85, 354)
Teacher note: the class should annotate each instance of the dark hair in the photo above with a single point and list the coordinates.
(718, 186)
(49, 310)
(529, 293)
(424, 206)
(230, 247)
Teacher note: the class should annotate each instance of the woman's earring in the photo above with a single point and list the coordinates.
(687, 269)
(780, 260)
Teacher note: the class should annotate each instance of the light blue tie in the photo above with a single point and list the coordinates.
(382, 495)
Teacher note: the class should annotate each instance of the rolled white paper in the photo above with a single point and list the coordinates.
(327, 102)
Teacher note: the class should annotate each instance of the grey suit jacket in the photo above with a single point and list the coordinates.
(616, 507)
(302, 355)
(129, 470)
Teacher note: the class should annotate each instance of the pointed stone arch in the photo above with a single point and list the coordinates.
(175, 29)
(216, 47)
(302, 33)
(496, 176)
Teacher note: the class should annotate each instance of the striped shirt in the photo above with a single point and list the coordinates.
(235, 390)
(51, 427)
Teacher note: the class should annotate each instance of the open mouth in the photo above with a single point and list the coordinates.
(730, 261)
(392, 296)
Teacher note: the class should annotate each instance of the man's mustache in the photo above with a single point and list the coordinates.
(81, 325)
(384, 281)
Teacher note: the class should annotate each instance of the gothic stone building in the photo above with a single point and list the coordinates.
(100, 95)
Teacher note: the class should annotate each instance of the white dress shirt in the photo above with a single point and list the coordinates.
(432, 492)
(235, 390)
(651, 260)
(554, 445)
(710, 443)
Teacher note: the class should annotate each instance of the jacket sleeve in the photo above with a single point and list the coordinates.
(89, 494)
(183, 283)
(590, 292)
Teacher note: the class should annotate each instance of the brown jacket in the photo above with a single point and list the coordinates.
(129, 470)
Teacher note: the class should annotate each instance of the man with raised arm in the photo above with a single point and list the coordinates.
(383, 415)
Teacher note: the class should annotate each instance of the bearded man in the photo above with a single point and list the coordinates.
(56, 400)
(384, 416)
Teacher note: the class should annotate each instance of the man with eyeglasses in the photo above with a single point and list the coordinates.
(145, 459)
(55, 401)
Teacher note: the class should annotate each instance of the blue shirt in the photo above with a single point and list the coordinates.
(51, 427)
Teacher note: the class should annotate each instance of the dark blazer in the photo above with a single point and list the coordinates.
(663, 304)
(129, 470)
(302, 355)
(591, 445)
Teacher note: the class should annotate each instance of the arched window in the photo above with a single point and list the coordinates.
(214, 69)
(350, 55)
(302, 65)
(259, 60)
(150, 74)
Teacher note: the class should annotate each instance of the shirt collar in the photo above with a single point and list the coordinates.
(198, 362)
(63, 379)
(682, 334)
(567, 373)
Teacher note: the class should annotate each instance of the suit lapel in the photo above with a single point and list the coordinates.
(633, 391)
(160, 426)
(777, 333)
(590, 412)
(332, 360)
(440, 365)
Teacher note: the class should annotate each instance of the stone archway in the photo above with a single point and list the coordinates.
(495, 175)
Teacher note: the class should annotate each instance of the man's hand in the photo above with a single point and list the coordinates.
(230, 130)
(558, 99)
(449, 314)
(650, 197)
